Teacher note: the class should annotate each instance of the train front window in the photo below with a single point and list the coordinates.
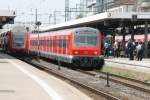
(86, 40)
(18, 40)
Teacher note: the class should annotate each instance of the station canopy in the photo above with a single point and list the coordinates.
(105, 20)
(6, 17)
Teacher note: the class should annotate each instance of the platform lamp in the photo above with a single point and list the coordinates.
(38, 23)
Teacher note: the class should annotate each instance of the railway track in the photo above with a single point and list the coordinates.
(100, 87)
(136, 84)
(125, 78)
(85, 86)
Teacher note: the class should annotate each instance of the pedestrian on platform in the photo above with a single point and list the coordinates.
(116, 49)
(122, 49)
(140, 50)
(106, 49)
(126, 50)
(131, 47)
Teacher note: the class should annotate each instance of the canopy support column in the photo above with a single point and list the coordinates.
(145, 40)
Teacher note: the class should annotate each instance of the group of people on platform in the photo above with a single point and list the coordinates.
(130, 49)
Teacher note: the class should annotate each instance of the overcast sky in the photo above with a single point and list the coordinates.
(26, 8)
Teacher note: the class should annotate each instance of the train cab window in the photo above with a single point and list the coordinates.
(86, 40)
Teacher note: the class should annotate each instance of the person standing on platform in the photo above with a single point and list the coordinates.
(131, 49)
(126, 49)
(106, 49)
(140, 50)
(116, 49)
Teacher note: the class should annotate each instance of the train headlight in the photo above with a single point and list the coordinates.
(95, 52)
(76, 52)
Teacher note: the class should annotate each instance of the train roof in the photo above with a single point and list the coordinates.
(14, 29)
(18, 29)
(74, 29)
(67, 31)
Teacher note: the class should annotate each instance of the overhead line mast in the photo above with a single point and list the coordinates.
(66, 10)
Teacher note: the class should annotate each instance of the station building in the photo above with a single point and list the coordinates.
(99, 6)
(6, 17)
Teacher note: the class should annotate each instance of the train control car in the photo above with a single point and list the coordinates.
(78, 46)
(16, 40)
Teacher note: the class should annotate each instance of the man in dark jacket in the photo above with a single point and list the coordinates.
(130, 49)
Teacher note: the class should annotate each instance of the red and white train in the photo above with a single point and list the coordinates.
(77, 46)
(15, 40)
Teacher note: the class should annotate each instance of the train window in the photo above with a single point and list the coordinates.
(54, 43)
(49, 43)
(62, 43)
(86, 40)
(44, 42)
(32, 42)
(40, 42)
(36, 42)
(58, 43)
(65, 43)
(92, 40)
(18, 40)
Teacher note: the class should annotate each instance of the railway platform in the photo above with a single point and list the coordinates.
(125, 63)
(21, 81)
